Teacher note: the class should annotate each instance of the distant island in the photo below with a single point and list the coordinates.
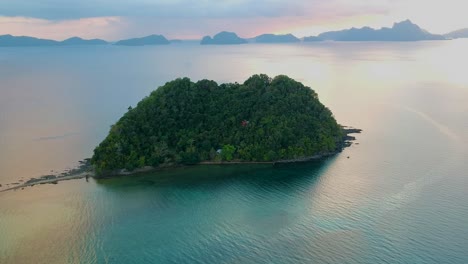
(23, 41)
(149, 40)
(272, 38)
(80, 41)
(403, 31)
(461, 33)
(185, 122)
(312, 39)
(223, 38)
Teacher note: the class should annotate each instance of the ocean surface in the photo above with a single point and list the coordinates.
(399, 195)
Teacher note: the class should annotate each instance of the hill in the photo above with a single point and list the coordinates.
(223, 38)
(461, 33)
(312, 39)
(403, 31)
(148, 40)
(23, 41)
(80, 41)
(272, 38)
(185, 122)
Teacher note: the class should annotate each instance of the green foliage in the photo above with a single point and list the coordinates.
(184, 122)
(227, 152)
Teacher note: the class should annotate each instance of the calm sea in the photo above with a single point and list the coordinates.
(400, 197)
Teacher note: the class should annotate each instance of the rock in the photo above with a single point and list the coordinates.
(352, 130)
(32, 180)
(49, 177)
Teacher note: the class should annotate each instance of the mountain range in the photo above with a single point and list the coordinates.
(462, 33)
(402, 31)
(22, 41)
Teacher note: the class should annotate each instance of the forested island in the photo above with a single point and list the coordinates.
(148, 40)
(402, 31)
(223, 38)
(24, 41)
(183, 122)
(273, 38)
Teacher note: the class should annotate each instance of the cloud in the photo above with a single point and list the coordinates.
(74, 9)
(114, 19)
(98, 27)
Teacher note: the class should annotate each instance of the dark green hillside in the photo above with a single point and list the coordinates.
(184, 122)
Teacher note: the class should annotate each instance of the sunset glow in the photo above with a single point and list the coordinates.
(191, 20)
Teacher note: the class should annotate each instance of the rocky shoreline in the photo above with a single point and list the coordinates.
(85, 169)
(347, 142)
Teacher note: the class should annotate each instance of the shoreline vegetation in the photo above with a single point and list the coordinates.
(85, 169)
(184, 123)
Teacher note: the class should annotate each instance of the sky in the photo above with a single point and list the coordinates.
(193, 19)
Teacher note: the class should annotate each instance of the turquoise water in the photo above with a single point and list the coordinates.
(400, 197)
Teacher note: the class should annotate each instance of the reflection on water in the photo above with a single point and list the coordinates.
(400, 197)
(79, 219)
(210, 175)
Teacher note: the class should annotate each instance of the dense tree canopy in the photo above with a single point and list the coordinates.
(184, 122)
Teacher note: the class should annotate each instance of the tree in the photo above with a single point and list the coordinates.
(227, 152)
(183, 122)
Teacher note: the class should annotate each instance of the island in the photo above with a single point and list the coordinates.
(83, 42)
(272, 38)
(263, 120)
(403, 31)
(148, 40)
(312, 39)
(24, 41)
(223, 38)
(461, 33)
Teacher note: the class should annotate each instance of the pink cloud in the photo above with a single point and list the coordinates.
(97, 27)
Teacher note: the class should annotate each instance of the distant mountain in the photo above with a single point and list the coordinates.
(403, 31)
(176, 41)
(149, 40)
(223, 38)
(462, 33)
(13, 41)
(312, 39)
(80, 41)
(272, 38)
